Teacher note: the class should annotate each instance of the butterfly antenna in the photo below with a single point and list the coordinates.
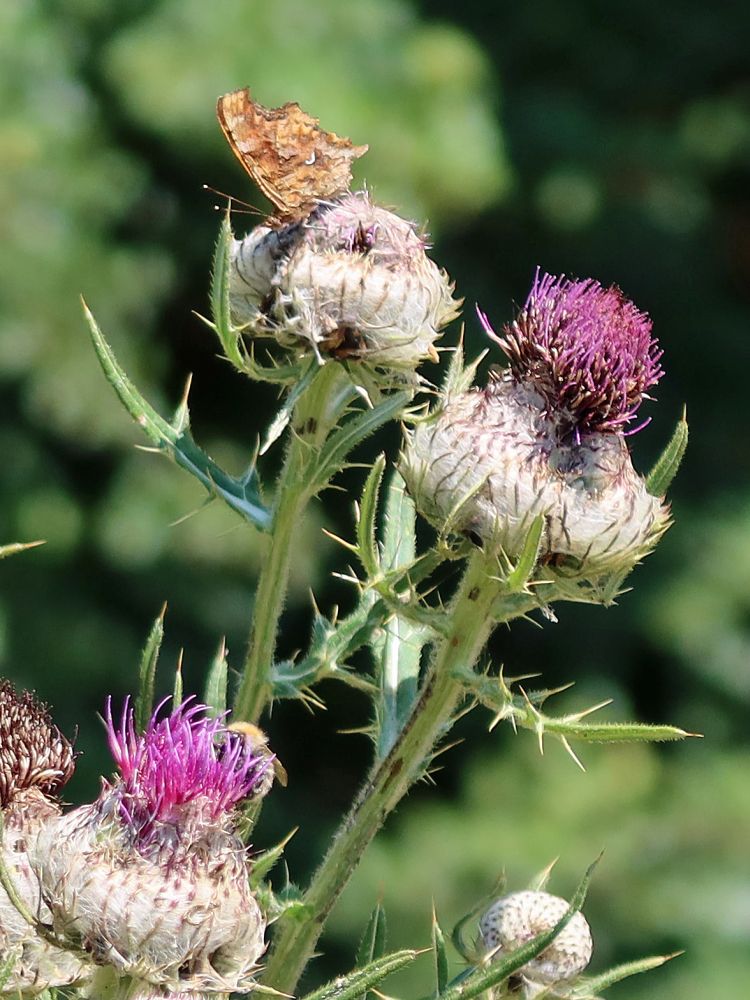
(247, 208)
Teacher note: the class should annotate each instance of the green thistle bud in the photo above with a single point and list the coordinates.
(35, 763)
(545, 438)
(517, 918)
(351, 281)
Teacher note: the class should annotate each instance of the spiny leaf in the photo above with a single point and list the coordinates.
(523, 569)
(14, 547)
(439, 955)
(368, 508)
(220, 309)
(463, 940)
(591, 986)
(398, 646)
(372, 945)
(215, 691)
(282, 418)
(355, 983)
(660, 478)
(241, 494)
(330, 647)
(177, 689)
(524, 711)
(613, 732)
(399, 525)
(263, 864)
(268, 991)
(333, 454)
(538, 882)
(460, 376)
(144, 703)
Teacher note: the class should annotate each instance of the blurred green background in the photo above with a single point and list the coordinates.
(605, 139)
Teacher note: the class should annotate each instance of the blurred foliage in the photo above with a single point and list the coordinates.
(610, 139)
(371, 70)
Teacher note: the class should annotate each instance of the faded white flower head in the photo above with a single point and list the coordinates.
(351, 281)
(151, 878)
(547, 437)
(517, 918)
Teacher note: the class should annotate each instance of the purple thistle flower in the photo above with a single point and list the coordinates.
(151, 879)
(186, 757)
(586, 348)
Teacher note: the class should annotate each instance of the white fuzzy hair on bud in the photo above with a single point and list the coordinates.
(351, 281)
(184, 922)
(488, 461)
(519, 917)
(37, 964)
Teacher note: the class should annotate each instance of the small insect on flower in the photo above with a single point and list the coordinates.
(294, 162)
(331, 273)
(259, 742)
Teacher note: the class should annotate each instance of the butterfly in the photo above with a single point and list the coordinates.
(294, 162)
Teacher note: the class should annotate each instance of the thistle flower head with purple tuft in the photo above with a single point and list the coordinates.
(184, 763)
(153, 876)
(546, 439)
(586, 348)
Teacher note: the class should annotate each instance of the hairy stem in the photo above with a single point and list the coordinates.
(316, 413)
(473, 614)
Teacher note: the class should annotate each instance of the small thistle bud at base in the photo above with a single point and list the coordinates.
(353, 281)
(151, 878)
(519, 917)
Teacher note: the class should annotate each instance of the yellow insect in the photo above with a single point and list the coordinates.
(259, 742)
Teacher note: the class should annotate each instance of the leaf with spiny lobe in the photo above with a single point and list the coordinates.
(241, 493)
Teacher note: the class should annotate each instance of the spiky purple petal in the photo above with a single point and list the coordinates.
(182, 758)
(586, 348)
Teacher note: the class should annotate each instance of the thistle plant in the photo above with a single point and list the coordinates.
(530, 488)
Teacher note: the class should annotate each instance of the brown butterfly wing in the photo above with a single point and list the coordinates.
(293, 161)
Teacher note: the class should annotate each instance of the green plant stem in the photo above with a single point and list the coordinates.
(477, 606)
(316, 413)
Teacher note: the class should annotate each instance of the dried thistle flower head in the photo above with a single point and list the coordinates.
(353, 280)
(33, 752)
(151, 878)
(517, 918)
(545, 438)
(36, 761)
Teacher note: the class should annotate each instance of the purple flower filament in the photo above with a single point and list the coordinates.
(586, 348)
(183, 758)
